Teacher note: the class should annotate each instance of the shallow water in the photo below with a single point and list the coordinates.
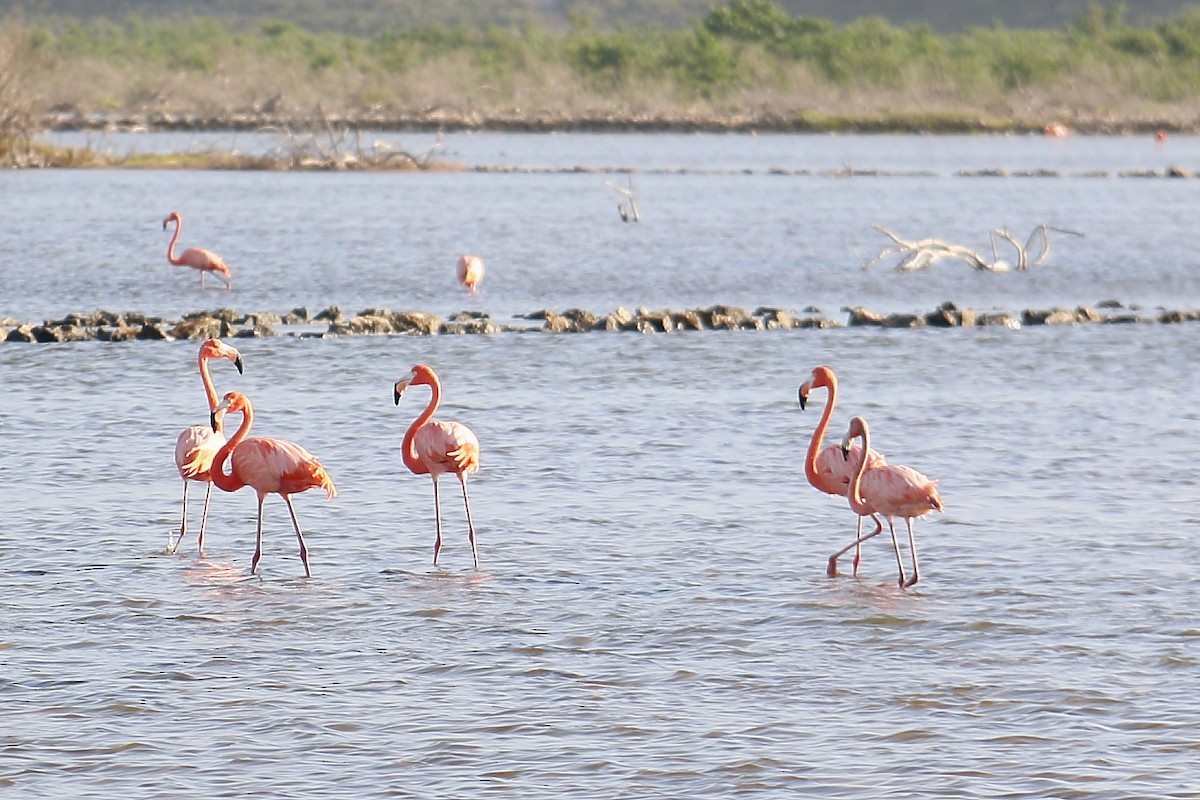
(651, 616)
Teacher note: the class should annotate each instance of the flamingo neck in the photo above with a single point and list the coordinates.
(231, 482)
(171, 251)
(411, 460)
(818, 436)
(857, 502)
(209, 390)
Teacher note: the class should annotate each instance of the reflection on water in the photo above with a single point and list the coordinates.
(652, 614)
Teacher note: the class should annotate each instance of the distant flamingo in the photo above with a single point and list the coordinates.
(1056, 130)
(470, 271)
(891, 490)
(433, 447)
(826, 468)
(267, 465)
(198, 444)
(195, 257)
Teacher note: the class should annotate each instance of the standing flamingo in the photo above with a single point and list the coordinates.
(470, 271)
(826, 468)
(196, 257)
(198, 444)
(268, 465)
(435, 446)
(891, 490)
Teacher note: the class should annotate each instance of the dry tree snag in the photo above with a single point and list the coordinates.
(629, 212)
(337, 145)
(921, 253)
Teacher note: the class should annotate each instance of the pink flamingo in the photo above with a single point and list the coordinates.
(470, 271)
(267, 465)
(196, 257)
(891, 490)
(198, 444)
(826, 468)
(435, 446)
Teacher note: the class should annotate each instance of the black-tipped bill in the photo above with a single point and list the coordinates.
(803, 399)
(237, 362)
(212, 419)
(845, 453)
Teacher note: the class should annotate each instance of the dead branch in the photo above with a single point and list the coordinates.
(922, 253)
(629, 212)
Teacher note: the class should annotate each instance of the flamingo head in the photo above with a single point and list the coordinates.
(858, 427)
(215, 348)
(935, 499)
(172, 217)
(234, 401)
(420, 374)
(821, 377)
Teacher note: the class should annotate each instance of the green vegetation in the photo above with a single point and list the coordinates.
(747, 63)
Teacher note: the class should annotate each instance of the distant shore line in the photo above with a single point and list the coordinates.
(331, 322)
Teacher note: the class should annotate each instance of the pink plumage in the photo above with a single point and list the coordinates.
(470, 271)
(196, 257)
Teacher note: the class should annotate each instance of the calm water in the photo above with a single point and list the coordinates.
(651, 617)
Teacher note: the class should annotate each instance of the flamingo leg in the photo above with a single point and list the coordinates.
(912, 546)
(257, 537)
(437, 515)
(470, 525)
(831, 569)
(204, 518)
(299, 536)
(182, 522)
(858, 549)
(896, 548)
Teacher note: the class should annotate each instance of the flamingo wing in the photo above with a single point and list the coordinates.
(195, 449)
(834, 469)
(898, 491)
(447, 447)
(199, 258)
(275, 465)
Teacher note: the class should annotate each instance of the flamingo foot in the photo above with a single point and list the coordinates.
(909, 582)
(856, 560)
(831, 567)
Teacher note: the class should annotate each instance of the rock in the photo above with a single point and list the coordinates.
(201, 328)
(153, 332)
(904, 321)
(122, 333)
(1055, 316)
(371, 325)
(469, 324)
(656, 321)
(814, 322)
(620, 320)
(1109, 304)
(256, 331)
(21, 333)
(860, 316)
(582, 321)
(1001, 318)
(688, 321)
(331, 314)
(948, 315)
(297, 316)
(729, 317)
(260, 318)
(774, 318)
(556, 323)
(223, 314)
(418, 322)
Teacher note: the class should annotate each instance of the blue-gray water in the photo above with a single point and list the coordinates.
(651, 617)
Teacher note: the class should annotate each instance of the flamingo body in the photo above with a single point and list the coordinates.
(196, 257)
(435, 447)
(891, 490)
(826, 468)
(197, 445)
(470, 271)
(266, 465)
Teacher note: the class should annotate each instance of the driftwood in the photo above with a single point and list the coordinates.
(628, 213)
(331, 145)
(921, 253)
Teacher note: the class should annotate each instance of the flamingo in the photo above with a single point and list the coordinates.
(470, 271)
(196, 445)
(826, 468)
(196, 257)
(267, 465)
(891, 490)
(436, 446)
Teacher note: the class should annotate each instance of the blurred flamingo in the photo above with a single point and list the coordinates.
(198, 444)
(196, 257)
(470, 271)
(891, 490)
(1056, 130)
(435, 446)
(825, 467)
(267, 465)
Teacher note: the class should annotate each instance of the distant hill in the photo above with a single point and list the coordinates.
(368, 16)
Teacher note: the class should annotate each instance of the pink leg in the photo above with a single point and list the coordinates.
(831, 568)
(912, 546)
(204, 518)
(470, 525)
(257, 537)
(299, 536)
(857, 549)
(182, 522)
(896, 548)
(437, 515)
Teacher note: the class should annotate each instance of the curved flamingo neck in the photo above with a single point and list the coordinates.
(857, 501)
(231, 482)
(171, 252)
(411, 459)
(818, 437)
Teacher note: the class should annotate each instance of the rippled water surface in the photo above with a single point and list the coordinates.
(651, 616)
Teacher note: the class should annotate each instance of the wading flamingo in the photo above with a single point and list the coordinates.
(196, 257)
(825, 467)
(470, 271)
(196, 445)
(435, 446)
(267, 465)
(891, 490)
